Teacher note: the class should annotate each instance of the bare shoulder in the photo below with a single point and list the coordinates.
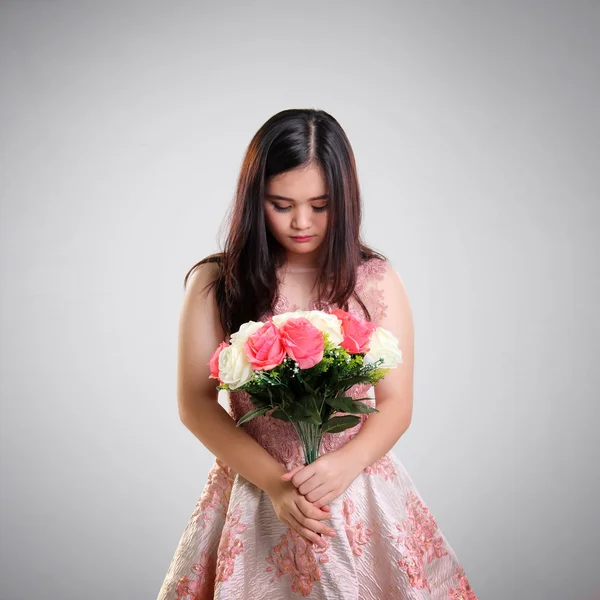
(199, 304)
(200, 277)
(390, 277)
(200, 333)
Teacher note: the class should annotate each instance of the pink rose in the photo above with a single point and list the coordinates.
(213, 363)
(264, 348)
(357, 332)
(303, 341)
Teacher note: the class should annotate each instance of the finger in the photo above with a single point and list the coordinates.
(326, 498)
(317, 494)
(293, 523)
(290, 474)
(308, 487)
(314, 526)
(308, 509)
(308, 534)
(301, 474)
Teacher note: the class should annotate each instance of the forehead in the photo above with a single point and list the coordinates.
(296, 184)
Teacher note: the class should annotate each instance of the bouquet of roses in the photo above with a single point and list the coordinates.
(298, 365)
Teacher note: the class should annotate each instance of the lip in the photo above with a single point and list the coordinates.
(302, 238)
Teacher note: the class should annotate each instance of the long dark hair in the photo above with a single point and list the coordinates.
(246, 286)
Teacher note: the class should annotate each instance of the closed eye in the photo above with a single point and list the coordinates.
(287, 208)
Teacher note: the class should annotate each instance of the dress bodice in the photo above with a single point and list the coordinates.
(294, 293)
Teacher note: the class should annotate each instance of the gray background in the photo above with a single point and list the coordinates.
(123, 125)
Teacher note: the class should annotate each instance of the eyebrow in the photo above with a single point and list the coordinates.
(276, 197)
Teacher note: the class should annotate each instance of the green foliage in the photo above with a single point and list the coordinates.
(312, 396)
(337, 424)
(350, 405)
(253, 413)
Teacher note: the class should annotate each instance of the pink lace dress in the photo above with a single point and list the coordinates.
(388, 544)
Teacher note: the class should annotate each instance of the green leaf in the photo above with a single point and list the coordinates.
(343, 403)
(257, 412)
(315, 406)
(277, 395)
(363, 408)
(337, 424)
(334, 377)
(351, 405)
(304, 408)
(309, 390)
(279, 414)
(347, 383)
(260, 400)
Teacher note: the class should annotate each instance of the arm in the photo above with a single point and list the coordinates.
(394, 393)
(200, 333)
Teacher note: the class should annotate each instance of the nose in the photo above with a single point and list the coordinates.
(301, 219)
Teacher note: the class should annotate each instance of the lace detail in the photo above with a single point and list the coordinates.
(230, 544)
(463, 591)
(277, 437)
(295, 557)
(358, 533)
(201, 584)
(384, 467)
(421, 541)
(368, 274)
(282, 304)
(215, 496)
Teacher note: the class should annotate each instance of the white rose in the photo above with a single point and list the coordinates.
(281, 319)
(384, 344)
(234, 368)
(327, 323)
(240, 337)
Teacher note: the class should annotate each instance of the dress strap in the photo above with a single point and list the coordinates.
(369, 276)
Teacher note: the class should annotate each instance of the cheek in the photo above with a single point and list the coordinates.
(275, 222)
(322, 220)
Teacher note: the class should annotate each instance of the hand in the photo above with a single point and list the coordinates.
(295, 511)
(325, 479)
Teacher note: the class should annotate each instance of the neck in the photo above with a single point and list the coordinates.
(301, 262)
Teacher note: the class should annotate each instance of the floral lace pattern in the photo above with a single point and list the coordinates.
(369, 274)
(463, 590)
(215, 496)
(358, 533)
(383, 467)
(297, 559)
(200, 585)
(421, 544)
(231, 545)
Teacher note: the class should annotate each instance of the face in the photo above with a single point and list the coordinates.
(296, 204)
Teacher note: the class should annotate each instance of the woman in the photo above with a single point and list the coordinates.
(351, 524)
